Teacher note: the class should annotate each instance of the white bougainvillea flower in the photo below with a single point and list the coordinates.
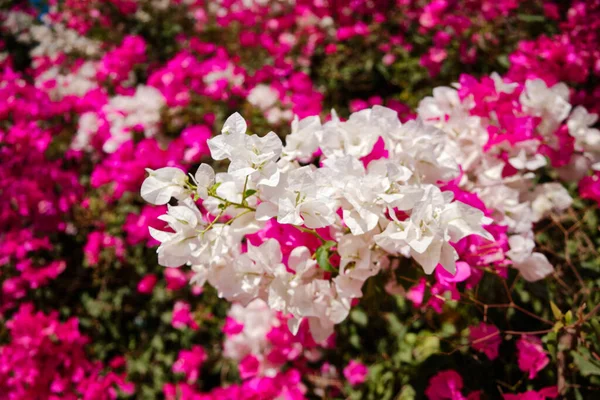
(231, 139)
(422, 148)
(432, 225)
(355, 137)
(284, 290)
(580, 122)
(124, 113)
(249, 275)
(257, 159)
(528, 159)
(163, 184)
(549, 103)
(357, 192)
(263, 96)
(444, 102)
(251, 156)
(587, 138)
(375, 210)
(357, 258)
(323, 307)
(300, 198)
(204, 180)
(302, 142)
(535, 267)
(547, 198)
(501, 86)
(176, 247)
(521, 247)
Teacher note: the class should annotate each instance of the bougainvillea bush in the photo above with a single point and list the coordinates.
(300, 199)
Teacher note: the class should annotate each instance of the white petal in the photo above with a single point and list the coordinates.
(535, 267)
(160, 236)
(168, 174)
(235, 124)
(265, 211)
(184, 215)
(205, 178)
(158, 192)
(219, 148)
(430, 258)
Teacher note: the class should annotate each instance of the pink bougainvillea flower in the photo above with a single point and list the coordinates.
(550, 392)
(445, 385)
(182, 316)
(417, 293)
(146, 285)
(532, 357)
(249, 366)
(355, 372)
(176, 278)
(486, 339)
(189, 363)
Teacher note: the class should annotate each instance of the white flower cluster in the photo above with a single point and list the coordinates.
(390, 208)
(123, 114)
(265, 98)
(17, 23)
(516, 200)
(59, 84)
(53, 39)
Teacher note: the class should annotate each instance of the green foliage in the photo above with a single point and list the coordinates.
(322, 255)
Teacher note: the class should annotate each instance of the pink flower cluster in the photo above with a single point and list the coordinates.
(571, 56)
(118, 64)
(285, 385)
(38, 190)
(46, 359)
(448, 385)
(98, 242)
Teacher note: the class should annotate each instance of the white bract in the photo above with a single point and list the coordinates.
(587, 138)
(163, 184)
(351, 206)
(511, 197)
(370, 190)
(432, 225)
(549, 103)
(532, 265)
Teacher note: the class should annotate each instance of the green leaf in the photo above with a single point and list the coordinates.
(394, 325)
(591, 219)
(503, 60)
(585, 363)
(558, 326)
(213, 188)
(322, 255)
(359, 317)
(556, 311)
(531, 18)
(355, 341)
(596, 325)
(329, 244)
(426, 346)
(568, 317)
(249, 193)
(407, 393)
